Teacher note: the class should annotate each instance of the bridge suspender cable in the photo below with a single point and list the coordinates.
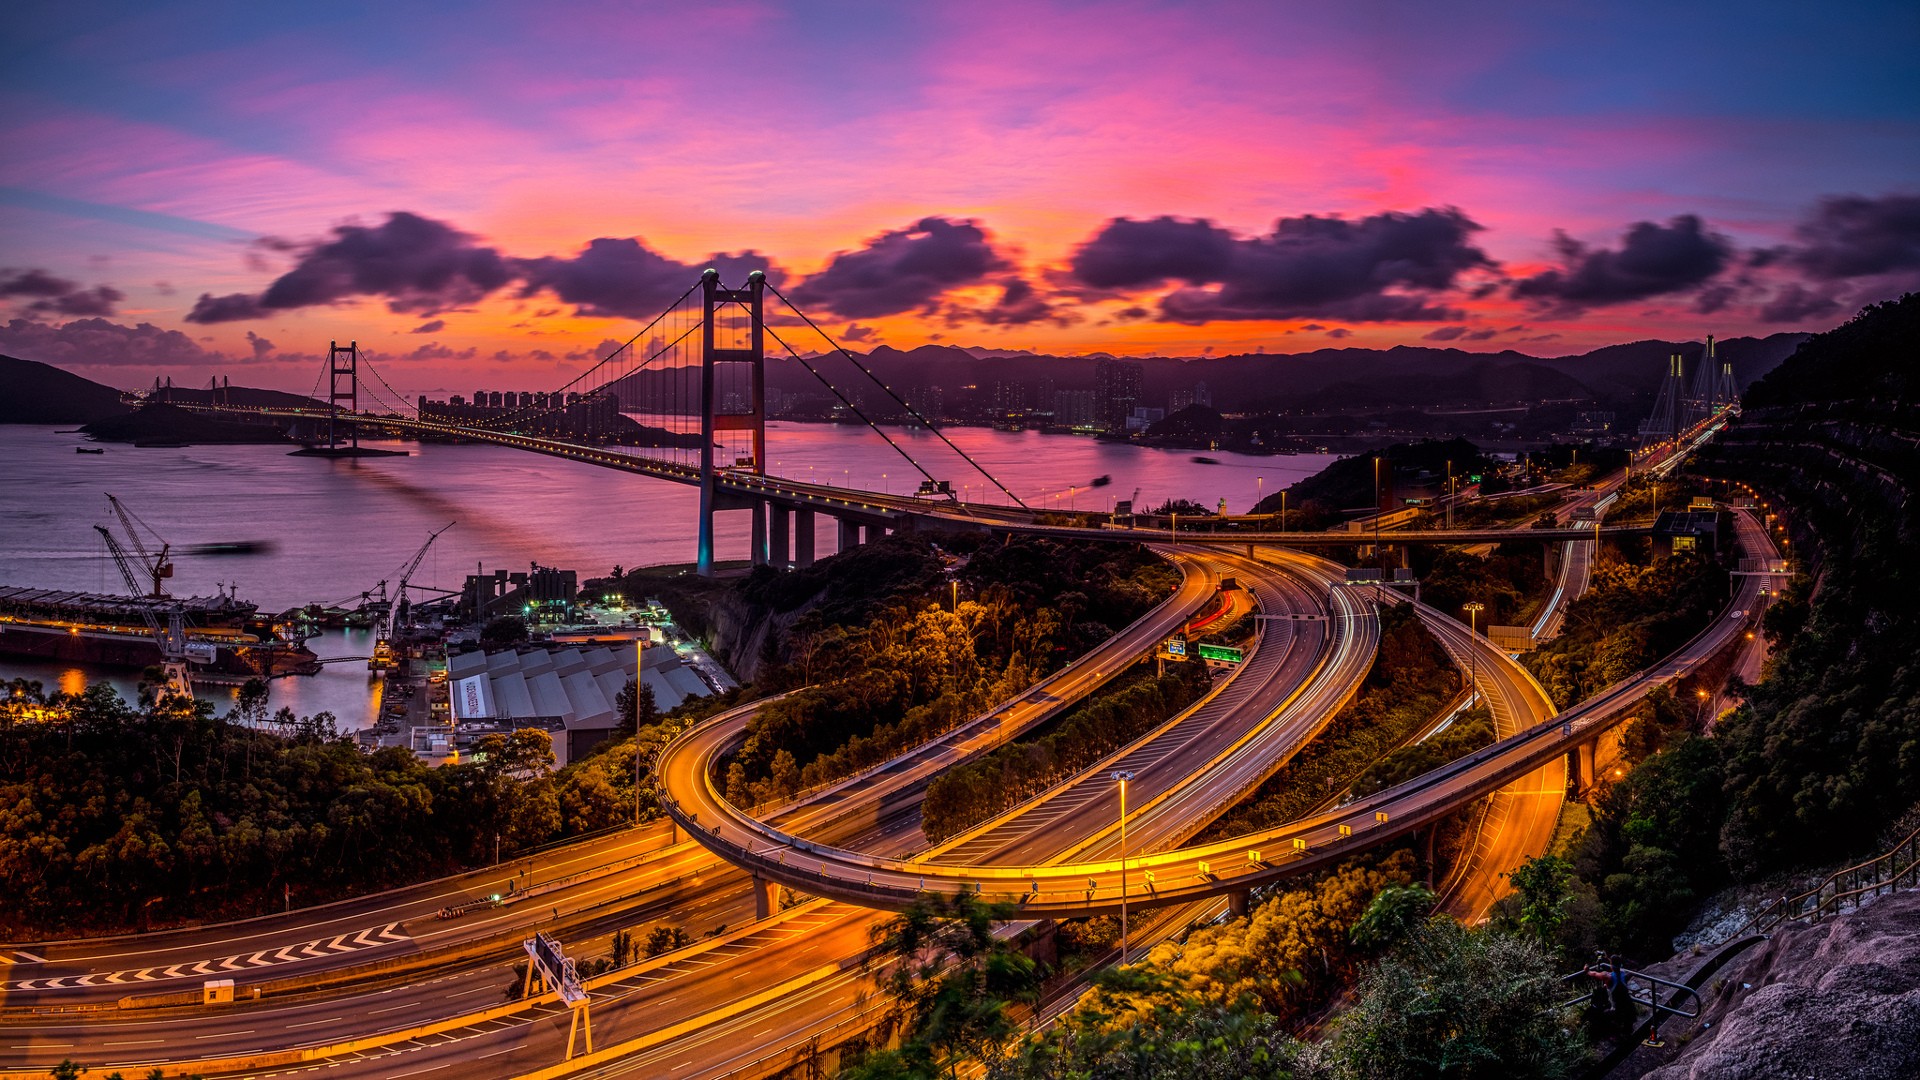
(851, 407)
(911, 411)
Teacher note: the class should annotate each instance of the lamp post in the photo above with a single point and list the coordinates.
(1283, 509)
(1122, 776)
(639, 670)
(1473, 608)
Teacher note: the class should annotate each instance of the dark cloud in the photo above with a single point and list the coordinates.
(1020, 304)
(1652, 260)
(1714, 298)
(432, 327)
(1795, 303)
(102, 343)
(625, 278)
(1851, 236)
(1479, 335)
(904, 270)
(1444, 333)
(433, 350)
(52, 295)
(418, 265)
(1339, 332)
(232, 307)
(855, 333)
(1378, 268)
(261, 346)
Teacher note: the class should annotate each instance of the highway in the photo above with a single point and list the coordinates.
(1090, 887)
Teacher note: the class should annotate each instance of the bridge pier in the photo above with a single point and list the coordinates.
(778, 551)
(804, 534)
(1580, 768)
(757, 537)
(1237, 903)
(766, 898)
(849, 533)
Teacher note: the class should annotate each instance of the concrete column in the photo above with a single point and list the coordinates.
(779, 552)
(849, 533)
(757, 542)
(1237, 903)
(1580, 768)
(803, 536)
(766, 897)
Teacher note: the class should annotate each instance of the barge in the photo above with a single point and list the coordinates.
(225, 640)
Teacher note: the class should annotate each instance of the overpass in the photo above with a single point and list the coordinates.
(1230, 867)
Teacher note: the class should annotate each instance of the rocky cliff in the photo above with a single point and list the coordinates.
(1838, 998)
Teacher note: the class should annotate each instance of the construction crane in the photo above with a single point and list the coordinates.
(172, 639)
(383, 658)
(156, 567)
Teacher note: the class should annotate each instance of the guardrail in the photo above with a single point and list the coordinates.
(1891, 871)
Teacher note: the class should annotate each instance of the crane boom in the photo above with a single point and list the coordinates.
(383, 648)
(155, 566)
(172, 640)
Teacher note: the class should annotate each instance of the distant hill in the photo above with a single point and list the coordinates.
(1617, 376)
(37, 393)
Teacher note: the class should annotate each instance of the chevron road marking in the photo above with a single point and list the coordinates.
(372, 937)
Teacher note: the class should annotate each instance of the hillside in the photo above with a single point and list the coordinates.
(39, 393)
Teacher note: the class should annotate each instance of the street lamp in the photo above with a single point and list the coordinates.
(1473, 608)
(1122, 776)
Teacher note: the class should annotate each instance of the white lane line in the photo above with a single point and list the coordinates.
(497, 1053)
(475, 990)
(30, 958)
(390, 1008)
(136, 1042)
(310, 1023)
(428, 1069)
(224, 1034)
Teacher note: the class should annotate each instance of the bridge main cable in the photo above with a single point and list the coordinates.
(911, 411)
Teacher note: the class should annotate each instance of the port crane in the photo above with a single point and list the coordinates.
(157, 567)
(383, 657)
(172, 638)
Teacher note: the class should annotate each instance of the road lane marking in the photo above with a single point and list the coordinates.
(310, 1023)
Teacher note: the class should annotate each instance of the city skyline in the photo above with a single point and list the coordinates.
(197, 189)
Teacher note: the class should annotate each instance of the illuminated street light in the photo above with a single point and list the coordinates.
(1473, 608)
(1122, 776)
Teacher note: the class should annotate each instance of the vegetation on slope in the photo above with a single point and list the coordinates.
(1633, 614)
(966, 795)
(1410, 681)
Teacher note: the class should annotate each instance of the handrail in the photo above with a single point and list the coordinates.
(1849, 884)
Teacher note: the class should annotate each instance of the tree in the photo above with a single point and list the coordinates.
(1457, 1003)
(1544, 886)
(621, 947)
(952, 980)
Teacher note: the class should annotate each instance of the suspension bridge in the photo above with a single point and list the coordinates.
(684, 400)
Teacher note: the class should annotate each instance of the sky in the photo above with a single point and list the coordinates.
(493, 194)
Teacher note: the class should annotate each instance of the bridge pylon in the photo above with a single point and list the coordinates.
(343, 361)
(733, 365)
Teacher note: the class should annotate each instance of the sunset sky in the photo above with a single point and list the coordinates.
(484, 194)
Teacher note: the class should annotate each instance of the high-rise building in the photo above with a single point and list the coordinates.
(1116, 390)
(1202, 395)
(1074, 408)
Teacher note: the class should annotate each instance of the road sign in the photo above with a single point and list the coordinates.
(1226, 654)
(1176, 646)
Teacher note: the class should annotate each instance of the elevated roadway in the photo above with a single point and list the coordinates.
(1094, 886)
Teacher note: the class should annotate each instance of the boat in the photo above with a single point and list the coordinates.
(232, 547)
(89, 449)
(224, 640)
(1201, 459)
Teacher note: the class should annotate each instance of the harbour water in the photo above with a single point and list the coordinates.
(330, 529)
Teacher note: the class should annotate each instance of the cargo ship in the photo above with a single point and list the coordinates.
(225, 640)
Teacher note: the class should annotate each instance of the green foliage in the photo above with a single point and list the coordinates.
(1544, 886)
(968, 794)
(1457, 1003)
(1193, 1040)
(881, 660)
(952, 981)
(1319, 501)
(1470, 731)
(664, 939)
(1630, 617)
(1511, 582)
(112, 816)
(1410, 681)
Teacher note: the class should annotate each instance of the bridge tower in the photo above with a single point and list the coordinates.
(343, 361)
(732, 398)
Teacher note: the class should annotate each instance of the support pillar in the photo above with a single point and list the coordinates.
(1580, 767)
(849, 533)
(1237, 903)
(766, 898)
(778, 550)
(804, 534)
(757, 542)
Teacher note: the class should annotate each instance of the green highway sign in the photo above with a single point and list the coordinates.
(1225, 653)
